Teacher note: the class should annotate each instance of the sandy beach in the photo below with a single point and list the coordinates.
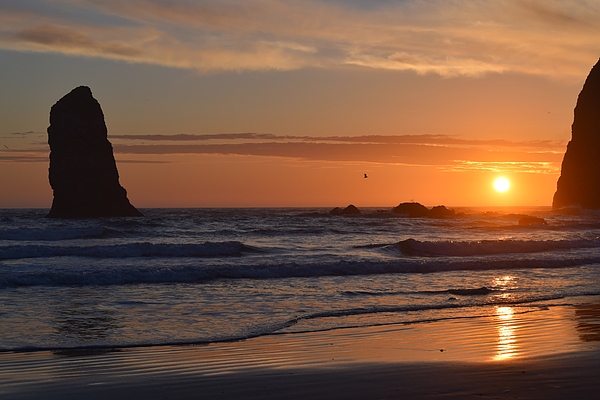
(548, 353)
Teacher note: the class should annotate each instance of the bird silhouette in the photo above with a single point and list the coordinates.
(366, 176)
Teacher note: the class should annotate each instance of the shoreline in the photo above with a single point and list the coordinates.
(571, 375)
(506, 316)
(552, 353)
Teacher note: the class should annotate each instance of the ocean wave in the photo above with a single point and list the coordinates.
(145, 249)
(412, 247)
(53, 234)
(482, 291)
(421, 307)
(371, 246)
(190, 271)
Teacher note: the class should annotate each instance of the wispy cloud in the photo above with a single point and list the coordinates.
(72, 41)
(456, 157)
(426, 140)
(445, 37)
(444, 152)
(531, 167)
(21, 158)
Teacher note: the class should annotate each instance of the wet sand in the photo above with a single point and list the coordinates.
(547, 353)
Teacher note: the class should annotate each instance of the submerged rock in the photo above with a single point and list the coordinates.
(529, 220)
(441, 212)
(350, 210)
(83, 173)
(579, 182)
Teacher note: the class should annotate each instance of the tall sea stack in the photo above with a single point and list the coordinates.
(83, 173)
(579, 182)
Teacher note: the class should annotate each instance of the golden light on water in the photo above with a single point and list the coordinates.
(501, 184)
(506, 347)
(503, 282)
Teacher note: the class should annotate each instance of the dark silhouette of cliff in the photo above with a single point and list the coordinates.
(579, 182)
(83, 173)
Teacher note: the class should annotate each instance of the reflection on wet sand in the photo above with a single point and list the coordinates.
(85, 319)
(507, 347)
(525, 332)
(588, 322)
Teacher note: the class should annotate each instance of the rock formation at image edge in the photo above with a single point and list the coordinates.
(83, 173)
(579, 182)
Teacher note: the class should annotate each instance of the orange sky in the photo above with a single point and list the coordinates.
(265, 103)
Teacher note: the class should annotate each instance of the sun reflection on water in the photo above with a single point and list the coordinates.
(503, 280)
(507, 347)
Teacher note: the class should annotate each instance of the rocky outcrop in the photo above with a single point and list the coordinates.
(418, 210)
(579, 182)
(441, 212)
(350, 210)
(83, 173)
(412, 210)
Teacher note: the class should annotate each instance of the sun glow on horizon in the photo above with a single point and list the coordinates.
(501, 184)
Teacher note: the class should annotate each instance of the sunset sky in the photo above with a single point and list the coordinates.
(262, 103)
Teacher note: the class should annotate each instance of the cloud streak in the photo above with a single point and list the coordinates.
(444, 37)
(444, 152)
(72, 41)
(447, 158)
(431, 140)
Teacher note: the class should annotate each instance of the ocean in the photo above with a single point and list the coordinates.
(198, 276)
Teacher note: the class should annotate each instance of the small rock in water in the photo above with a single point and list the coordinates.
(350, 210)
(441, 212)
(529, 220)
(417, 210)
(412, 210)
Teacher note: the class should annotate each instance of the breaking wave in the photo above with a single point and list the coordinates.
(145, 249)
(412, 247)
(190, 271)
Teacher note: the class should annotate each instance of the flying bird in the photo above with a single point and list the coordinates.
(366, 176)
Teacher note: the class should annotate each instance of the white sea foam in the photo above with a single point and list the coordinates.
(414, 247)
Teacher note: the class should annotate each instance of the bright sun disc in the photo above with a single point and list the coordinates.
(501, 184)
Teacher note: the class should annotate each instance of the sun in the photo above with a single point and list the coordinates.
(502, 184)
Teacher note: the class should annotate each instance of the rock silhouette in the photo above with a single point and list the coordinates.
(83, 173)
(579, 182)
(418, 210)
(350, 210)
(441, 212)
(412, 209)
(529, 220)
